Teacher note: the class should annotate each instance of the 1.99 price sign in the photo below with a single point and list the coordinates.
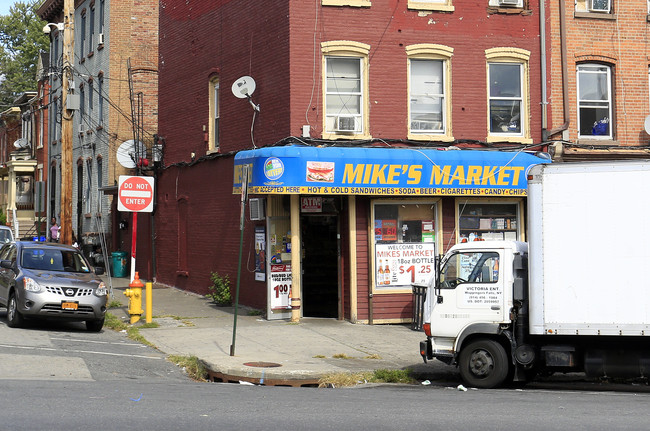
(404, 264)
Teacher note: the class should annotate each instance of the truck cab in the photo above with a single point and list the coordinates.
(470, 309)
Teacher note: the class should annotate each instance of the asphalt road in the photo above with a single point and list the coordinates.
(51, 350)
(58, 376)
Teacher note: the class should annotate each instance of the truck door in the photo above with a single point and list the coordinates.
(471, 291)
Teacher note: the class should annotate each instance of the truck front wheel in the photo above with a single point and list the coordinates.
(483, 364)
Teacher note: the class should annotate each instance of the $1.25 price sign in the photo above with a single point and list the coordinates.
(402, 264)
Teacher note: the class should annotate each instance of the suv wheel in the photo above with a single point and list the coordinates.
(14, 318)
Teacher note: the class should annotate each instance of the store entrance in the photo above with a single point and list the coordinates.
(320, 287)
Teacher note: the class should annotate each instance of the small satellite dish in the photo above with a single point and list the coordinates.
(128, 153)
(243, 87)
(21, 143)
(646, 124)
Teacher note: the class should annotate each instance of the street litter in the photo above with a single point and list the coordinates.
(426, 382)
(241, 382)
(462, 388)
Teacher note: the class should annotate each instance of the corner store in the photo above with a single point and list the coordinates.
(335, 212)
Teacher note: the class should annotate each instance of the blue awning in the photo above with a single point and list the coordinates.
(383, 171)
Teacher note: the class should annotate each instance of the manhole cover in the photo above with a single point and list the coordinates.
(262, 364)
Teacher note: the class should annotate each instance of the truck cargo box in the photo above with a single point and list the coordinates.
(589, 248)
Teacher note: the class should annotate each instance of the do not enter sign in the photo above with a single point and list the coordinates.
(135, 194)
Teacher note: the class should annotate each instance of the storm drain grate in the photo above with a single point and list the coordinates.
(262, 364)
(296, 383)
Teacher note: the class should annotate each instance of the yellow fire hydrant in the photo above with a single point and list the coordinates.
(134, 293)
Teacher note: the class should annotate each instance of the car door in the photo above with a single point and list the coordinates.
(6, 274)
(471, 291)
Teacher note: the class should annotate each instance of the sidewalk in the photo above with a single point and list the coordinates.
(275, 352)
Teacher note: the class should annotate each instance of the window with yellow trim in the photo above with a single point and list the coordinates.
(508, 110)
(432, 5)
(213, 142)
(353, 3)
(429, 92)
(346, 92)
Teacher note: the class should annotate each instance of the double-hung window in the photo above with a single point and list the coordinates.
(214, 115)
(344, 95)
(433, 5)
(594, 100)
(427, 96)
(429, 92)
(508, 110)
(506, 98)
(345, 85)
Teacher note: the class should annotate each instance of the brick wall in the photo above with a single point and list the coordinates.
(621, 43)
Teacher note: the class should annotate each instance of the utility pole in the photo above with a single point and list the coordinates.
(65, 235)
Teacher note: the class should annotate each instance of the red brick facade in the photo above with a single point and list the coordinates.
(278, 43)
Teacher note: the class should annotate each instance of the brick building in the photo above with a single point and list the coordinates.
(386, 132)
(599, 96)
(112, 101)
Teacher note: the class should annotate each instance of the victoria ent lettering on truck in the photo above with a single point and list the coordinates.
(576, 298)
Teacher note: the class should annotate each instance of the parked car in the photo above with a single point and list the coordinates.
(49, 280)
(6, 234)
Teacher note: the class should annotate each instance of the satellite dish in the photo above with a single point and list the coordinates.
(129, 152)
(243, 87)
(646, 124)
(21, 143)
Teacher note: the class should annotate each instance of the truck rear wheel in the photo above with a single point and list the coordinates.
(484, 364)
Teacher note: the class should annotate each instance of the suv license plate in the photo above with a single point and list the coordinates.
(69, 305)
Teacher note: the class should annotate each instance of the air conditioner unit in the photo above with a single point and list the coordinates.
(81, 128)
(510, 3)
(256, 208)
(100, 38)
(347, 123)
(599, 5)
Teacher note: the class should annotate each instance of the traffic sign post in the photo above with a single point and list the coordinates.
(135, 194)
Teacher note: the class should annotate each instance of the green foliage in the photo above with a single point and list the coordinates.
(3, 218)
(21, 40)
(220, 289)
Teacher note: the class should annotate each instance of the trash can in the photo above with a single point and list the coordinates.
(419, 294)
(119, 263)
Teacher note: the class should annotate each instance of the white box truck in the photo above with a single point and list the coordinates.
(575, 298)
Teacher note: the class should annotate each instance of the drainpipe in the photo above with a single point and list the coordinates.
(565, 73)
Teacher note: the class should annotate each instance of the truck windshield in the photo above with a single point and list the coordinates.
(469, 267)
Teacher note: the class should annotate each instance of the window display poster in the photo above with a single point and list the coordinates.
(428, 234)
(403, 264)
(280, 286)
(260, 253)
(385, 230)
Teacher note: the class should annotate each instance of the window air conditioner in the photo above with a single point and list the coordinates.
(256, 208)
(346, 124)
(510, 3)
(100, 38)
(599, 5)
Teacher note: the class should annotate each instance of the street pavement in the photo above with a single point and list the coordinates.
(274, 352)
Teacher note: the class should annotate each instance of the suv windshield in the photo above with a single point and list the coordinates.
(54, 260)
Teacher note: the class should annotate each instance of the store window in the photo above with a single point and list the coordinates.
(404, 243)
(488, 221)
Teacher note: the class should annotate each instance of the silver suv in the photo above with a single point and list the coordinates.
(49, 280)
(6, 234)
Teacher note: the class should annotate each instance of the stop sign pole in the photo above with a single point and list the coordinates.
(135, 194)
